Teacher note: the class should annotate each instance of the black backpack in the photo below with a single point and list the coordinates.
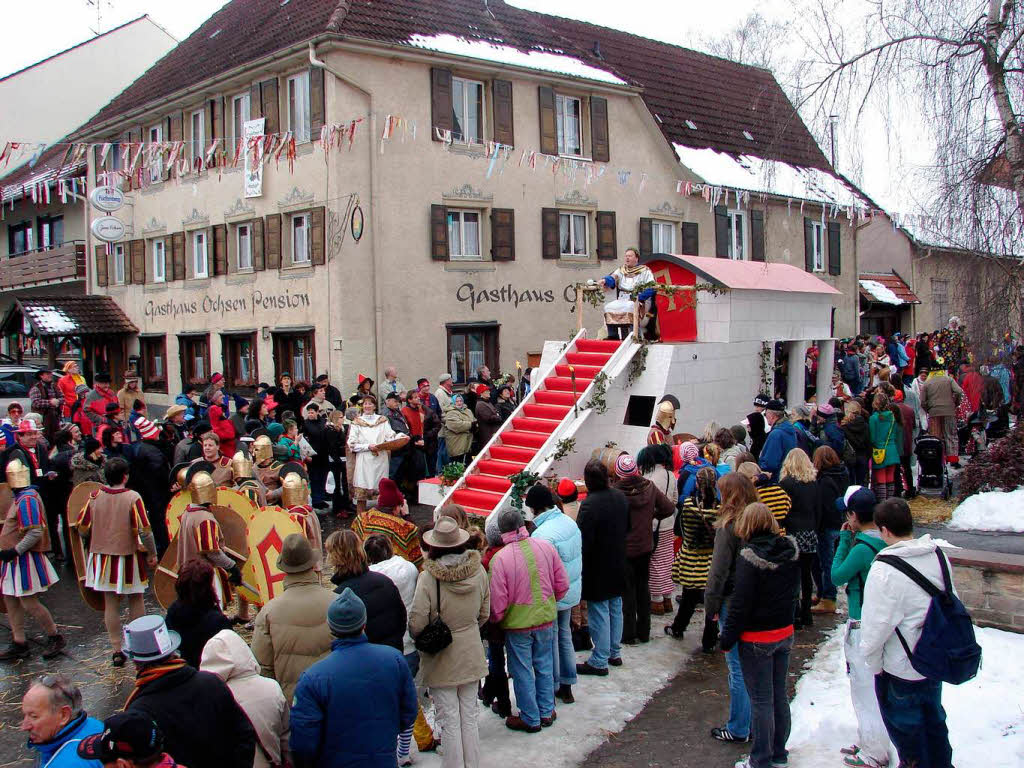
(947, 649)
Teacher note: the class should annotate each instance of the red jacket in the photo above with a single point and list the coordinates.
(224, 429)
(972, 386)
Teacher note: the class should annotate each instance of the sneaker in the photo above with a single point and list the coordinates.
(547, 722)
(55, 645)
(616, 662)
(516, 723)
(15, 651)
(857, 761)
(501, 708)
(853, 749)
(118, 659)
(405, 760)
(586, 669)
(825, 606)
(780, 763)
(724, 734)
(744, 763)
(564, 693)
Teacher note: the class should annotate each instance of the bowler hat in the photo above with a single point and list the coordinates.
(148, 639)
(296, 554)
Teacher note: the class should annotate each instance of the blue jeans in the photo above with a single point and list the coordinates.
(823, 574)
(605, 620)
(913, 715)
(442, 454)
(764, 672)
(739, 699)
(563, 654)
(413, 661)
(530, 663)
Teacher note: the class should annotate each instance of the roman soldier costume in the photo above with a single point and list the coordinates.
(200, 534)
(295, 498)
(24, 533)
(267, 469)
(244, 475)
(661, 430)
(220, 472)
(115, 522)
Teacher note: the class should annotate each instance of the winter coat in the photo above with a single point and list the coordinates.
(203, 727)
(224, 429)
(885, 433)
(291, 630)
(84, 469)
(695, 526)
(191, 408)
(603, 521)
(196, 627)
(856, 431)
(892, 600)
(465, 607)
(771, 495)
(350, 707)
(831, 435)
(150, 462)
(522, 569)
(127, 397)
(723, 569)
(646, 503)
(404, 574)
(729, 455)
(61, 750)
(972, 385)
(688, 477)
(805, 514)
(939, 396)
(832, 484)
(780, 441)
(561, 530)
(908, 429)
(385, 611)
(458, 430)
(805, 440)
(850, 371)
(315, 431)
(853, 558)
(757, 429)
(67, 386)
(489, 419)
(767, 580)
(665, 481)
(228, 657)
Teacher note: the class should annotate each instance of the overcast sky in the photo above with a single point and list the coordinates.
(35, 29)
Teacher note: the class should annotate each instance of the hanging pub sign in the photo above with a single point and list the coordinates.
(107, 199)
(109, 229)
(357, 223)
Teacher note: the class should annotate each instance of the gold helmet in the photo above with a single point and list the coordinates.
(241, 465)
(666, 415)
(262, 449)
(18, 475)
(200, 483)
(294, 490)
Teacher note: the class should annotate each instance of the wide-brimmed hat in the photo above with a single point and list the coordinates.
(173, 411)
(148, 639)
(296, 554)
(445, 534)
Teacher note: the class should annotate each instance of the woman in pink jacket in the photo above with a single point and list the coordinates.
(527, 580)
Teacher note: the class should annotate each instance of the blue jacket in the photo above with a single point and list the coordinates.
(780, 441)
(688, 477)
(850, 371)
(62, 750)
(831, 434)
(191, 409)
(562, 531)
(333, 726)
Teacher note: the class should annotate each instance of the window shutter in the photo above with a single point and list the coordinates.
(440, 107)
(438, 233)
(808, 245)
(835, 262)
(606, 234)
(757, 235)
(503, 234)
(220, 249)
(208, 130)
(178, 255)
(270, 106)
(690, 242)
(550, 248)
(258, 262)
(100, 252)
(317, 102)
(548, 126)
(255, 102)
(503, 132)
(599, 129)
(215, 113)
(318, 252)
(137, 249)
(134, 137)
(721, 232)
(646, 236)
(272, 241)
(174, 133)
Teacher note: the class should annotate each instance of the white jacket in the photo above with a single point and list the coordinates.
(404, 575)
(228, 657)
(892, 600)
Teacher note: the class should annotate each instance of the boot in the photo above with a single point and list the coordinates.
(581, 639)
(564, 693)
(55, 645)
(825, 606)
(669, 608)
(657, 608)
(15, 651)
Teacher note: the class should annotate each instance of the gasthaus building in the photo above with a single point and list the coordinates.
(435, 179)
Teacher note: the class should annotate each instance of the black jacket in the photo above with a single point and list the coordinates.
(765, 590)
(832, 484)
(203, 727)
(758, 433)
(332, 395)
(805, 513)
(315, 431)
(385, 611)
(150, 462)
(603, 521)
(856, 431)
(195, 628)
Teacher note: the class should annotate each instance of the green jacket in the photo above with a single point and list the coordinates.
(851, 563)
(882, 426)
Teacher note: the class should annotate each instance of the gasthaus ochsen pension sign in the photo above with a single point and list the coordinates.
(109, 229)
(107, 199)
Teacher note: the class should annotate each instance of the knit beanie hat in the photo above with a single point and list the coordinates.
(388, 494)
(539, 498)
(510, 520)
(689, 452)
(625, 466)
(825, 409)
(347, 614)
(89, 444)
(274, 431)
(147, 429)
(567, 490)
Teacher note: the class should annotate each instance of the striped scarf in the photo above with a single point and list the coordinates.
(153, 673)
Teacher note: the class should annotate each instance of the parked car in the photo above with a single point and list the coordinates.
(15, 382)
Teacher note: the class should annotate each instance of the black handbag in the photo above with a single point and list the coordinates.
(436, 636)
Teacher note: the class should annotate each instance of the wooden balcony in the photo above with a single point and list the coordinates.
(58, 264)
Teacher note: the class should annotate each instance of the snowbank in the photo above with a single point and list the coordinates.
(991, 511)
(984, 716)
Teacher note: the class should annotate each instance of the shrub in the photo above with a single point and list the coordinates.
(1000, 468)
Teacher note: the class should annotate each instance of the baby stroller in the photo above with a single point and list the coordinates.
(931, 456)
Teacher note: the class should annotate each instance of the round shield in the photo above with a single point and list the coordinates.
(268, 528)
(226, 497)
(79, 553)
(175, 507)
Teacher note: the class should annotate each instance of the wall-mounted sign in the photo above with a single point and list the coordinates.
(253, 159)
(357, 223)
(107, 198)
(107, 228)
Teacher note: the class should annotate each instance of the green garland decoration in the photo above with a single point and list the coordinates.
(592, 295)
(638, 364)
(597, 401)
(563, 448)
(522, 482)
(689, 292)
(765, 364)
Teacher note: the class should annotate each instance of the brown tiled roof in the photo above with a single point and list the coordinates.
(893, 282)
(721, 98)
(49, 167)
(75, 315)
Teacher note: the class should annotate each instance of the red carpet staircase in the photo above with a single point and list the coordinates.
(549, 404)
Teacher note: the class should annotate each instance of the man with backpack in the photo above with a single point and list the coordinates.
(915, 635)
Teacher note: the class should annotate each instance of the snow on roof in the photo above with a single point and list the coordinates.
(753, 275)
(880, 292)
(755, 174)
(52, 320)
(558, 63)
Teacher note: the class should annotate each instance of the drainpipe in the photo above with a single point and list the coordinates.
(378, 309)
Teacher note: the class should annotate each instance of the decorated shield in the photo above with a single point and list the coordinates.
(268, 529)
(226, 497)
(79, 553)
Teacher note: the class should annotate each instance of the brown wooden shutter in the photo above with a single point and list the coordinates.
(272, 241)
(438, 233)
(174, 133)
(255, 102)
(208, 132)
(440, 106)
(721, 232)
(503, 234)
(548, 125)
(808, 245)
(690, 242)
(258, 262)
(137, 249)
(220, 249)
(317, 102)
(835, 263)
(316, 237)
(599, 129)
(646, 236)
(134, 137)
(178, 255)
(100, 252)
(606, 235)
(215, 111)
(550, 246)
(503, 131)
(757, 235)
(270, 105)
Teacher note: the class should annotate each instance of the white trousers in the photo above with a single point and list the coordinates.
(457, 710)
(872, 737)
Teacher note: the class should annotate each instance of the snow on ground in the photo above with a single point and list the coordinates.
(991, 511)
(880, 292)
(985, 716)
(603, 707)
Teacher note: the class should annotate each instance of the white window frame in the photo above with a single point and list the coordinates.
(200, 247)
(158, 250)
(561, 102)
(818, 245)
(299, 106)
(300, 255)
(739, 240)
(198, 137)
(247, 251)
(465, 81)
(572, 215)
(156, 169)
(659, 230)
(239, 124)
(119, 265)
(464, 255)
